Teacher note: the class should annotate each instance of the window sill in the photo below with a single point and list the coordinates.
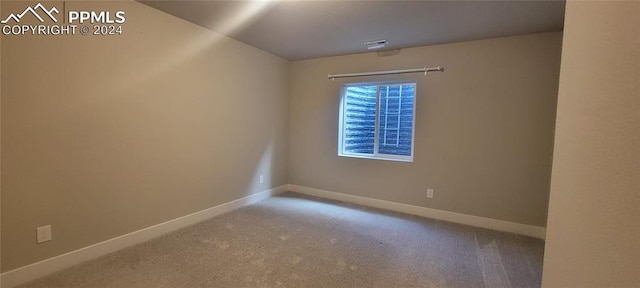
(408, 159)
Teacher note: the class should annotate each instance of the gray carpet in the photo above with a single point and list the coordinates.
(300, 241)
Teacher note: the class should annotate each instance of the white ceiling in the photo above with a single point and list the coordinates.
(298, 30)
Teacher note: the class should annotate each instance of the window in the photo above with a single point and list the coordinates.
(377, 120)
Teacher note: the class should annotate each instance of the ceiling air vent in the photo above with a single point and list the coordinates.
(376, 44)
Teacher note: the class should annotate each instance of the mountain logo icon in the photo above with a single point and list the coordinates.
(34, 11)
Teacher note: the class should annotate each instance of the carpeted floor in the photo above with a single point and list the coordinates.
(300, 241)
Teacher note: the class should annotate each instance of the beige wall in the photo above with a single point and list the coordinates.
(593, 236)
(0, 151)
(484, 127)
(102, 136)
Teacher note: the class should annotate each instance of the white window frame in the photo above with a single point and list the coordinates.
(376, 154)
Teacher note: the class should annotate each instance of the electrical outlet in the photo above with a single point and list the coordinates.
(429, 193)
(43, 234)
(261, 179)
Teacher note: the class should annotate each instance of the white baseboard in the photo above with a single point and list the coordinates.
(493, 224)
(36, 270)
